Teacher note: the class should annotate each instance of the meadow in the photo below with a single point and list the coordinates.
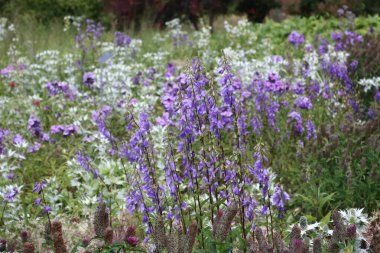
(255, 138)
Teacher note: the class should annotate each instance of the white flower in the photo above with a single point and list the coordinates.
(354, 216)
(370, 83)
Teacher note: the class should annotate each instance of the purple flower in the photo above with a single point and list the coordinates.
(370, 113)
(60, 87)
(7, 70)
(309, 48)
(296, 38)
(257, 125)
(89, 79)
(323, 46)
(136, 78)
(65, 130)
(122, 40)
(354, 64)
(10, 194)
(298, 88)
(303, 103)
(377, 96)
(38, 187)
(18, 139)
(274, 84)
(38, 201)
(278, 199)
(3, 133)
(10, 176)
(164, 120)
(34, 126)
(55, 129)
(34, 148)
(52, 87)
(295, 116)
(144, 122)
(264, 210)
(84, 162)
(47, 209)
(311, 132)
(339, 71)
(170, 70)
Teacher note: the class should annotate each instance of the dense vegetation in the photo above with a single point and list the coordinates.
(250, 139)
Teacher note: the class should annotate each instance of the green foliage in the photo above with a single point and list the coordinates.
(48, 10)
(368, 55)
(344, 163)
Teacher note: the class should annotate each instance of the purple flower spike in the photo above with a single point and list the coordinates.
(296, 39)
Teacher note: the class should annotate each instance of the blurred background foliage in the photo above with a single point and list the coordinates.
(131, 13)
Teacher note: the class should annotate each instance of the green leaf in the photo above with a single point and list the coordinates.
(324, 200)
(325, 220)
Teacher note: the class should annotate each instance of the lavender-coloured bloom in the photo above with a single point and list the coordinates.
(10, 176)
(38, 187)
(18, 139)
(3, 133)
(52, 88)
(89, 79)
(170, 70)
(297, 127)
(84, 161)
(144, 123)
(65, 130)
(88, 138)
(34, 126)
(164, 120)
(45, 137)
(151, 72)
(323, 46)
(11, 194)
(371, 114)
(278, 199)
(37, 201)
(376, 97)
(354, 65)
(7, 70)
(274, 84)
(122, 40)
(340, 12)
(311, 131)
(47, 209)
(294, 116)
(60, 87)
(34, 148)
(264, 210)
(309, 48)
(136, 79)
(304, 103)
(298, 88)
(296, 38)
(55, 129)
(339, 71)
